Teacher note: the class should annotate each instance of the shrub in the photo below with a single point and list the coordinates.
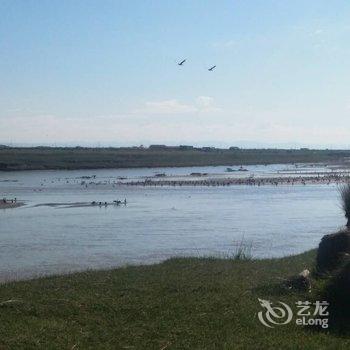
(345, 198)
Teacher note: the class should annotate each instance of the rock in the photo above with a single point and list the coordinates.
(301, 282)
(332, 250)
(337, 294)
(343, 280)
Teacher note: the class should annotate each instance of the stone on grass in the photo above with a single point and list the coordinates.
(301, 282)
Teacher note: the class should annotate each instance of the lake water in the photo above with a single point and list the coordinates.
(157, 222)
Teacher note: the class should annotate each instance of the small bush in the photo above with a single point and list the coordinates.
(345, 199)
(243, 251)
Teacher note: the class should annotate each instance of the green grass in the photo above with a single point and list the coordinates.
(40, 158)
(183, 303)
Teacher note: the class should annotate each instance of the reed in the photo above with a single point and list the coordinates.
(345, 201)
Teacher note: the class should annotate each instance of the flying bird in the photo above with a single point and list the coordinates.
(182, 62)
(211, 69)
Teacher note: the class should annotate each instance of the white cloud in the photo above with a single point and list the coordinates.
(202, 104)
(165, 107)
(206, 104)
(316, 32)
(204, 101)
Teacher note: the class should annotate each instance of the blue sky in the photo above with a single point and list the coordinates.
(105, 72)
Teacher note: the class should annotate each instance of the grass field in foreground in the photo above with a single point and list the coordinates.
(183, 303)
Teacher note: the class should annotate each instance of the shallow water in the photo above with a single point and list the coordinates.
(156, 223)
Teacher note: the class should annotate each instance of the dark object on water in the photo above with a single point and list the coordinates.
(211, 68)
(332, 250)
(160, 175)
(182, 62)
(230, 170)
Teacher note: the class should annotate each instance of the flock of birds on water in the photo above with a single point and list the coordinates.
(248, 181)
(204, 179)
(183, 61)
(193, 179)
(115, 202)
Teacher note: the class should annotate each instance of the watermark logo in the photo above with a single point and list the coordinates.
(274, 315)
(307, 314)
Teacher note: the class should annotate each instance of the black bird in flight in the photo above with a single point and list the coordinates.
(211, 69)
(182, 62)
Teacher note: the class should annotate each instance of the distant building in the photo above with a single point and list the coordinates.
(208, 149)
(158, 147)
(165, 147)
(185, 147)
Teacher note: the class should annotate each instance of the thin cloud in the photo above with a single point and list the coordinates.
(206, 104)
(226, 44)
(165, 107)
(202, 104)
(317, 32)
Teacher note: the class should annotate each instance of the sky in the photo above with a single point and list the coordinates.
(105, 73)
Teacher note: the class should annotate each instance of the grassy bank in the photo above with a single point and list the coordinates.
(39, 158)
(187, 303)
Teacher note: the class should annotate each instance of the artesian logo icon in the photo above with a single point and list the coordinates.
(274, 315)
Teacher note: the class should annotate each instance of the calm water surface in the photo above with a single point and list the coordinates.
(157, 223)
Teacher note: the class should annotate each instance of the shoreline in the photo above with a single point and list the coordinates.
(29, 276)
(67, 272)
(160, 166)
